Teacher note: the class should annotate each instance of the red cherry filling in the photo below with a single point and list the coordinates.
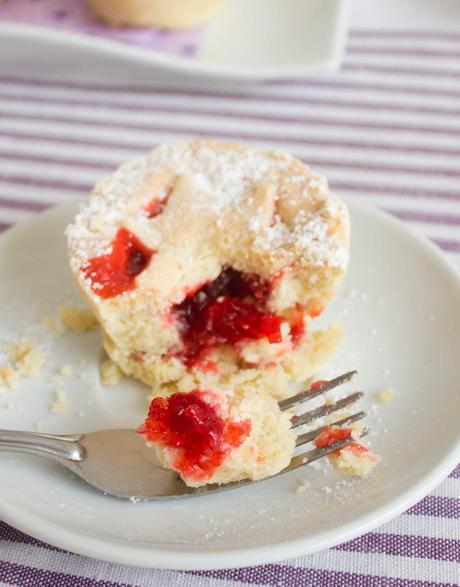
(297, 325)
(157, 205)
(116, 272)
(329, 435)
(189, 424)
(356, 448)
(318, 384)
(226, 311)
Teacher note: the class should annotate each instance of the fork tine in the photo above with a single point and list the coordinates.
(313, 392)
(325, 409)
(319, 453)
(309, 436)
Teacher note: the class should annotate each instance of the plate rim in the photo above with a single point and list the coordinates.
(131, 554)
(174, 63)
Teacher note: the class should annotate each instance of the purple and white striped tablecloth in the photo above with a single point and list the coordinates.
(386, 129)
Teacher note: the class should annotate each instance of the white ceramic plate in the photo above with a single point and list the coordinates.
(399, 306)
(260, 39)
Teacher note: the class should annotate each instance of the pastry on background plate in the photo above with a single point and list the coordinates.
(168, 14)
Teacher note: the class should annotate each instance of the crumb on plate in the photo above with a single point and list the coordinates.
(77, 319)
(386, 395)
(355, 459)
(303, 485)
(27, 359)
(65, 370)
(60, 403)
(8, 376)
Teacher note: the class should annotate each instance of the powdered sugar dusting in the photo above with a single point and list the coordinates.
(227, 176)
(309, 238)
(92, 232)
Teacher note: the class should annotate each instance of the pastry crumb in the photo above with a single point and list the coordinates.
(111, 374)
(60, 403)
(8, 376)
(303, 486)
(355, 459)
(31, 363)
(77, 319)
(386, 395)
(16, 350)
(356, 427)
(27, 359)
(65, 370)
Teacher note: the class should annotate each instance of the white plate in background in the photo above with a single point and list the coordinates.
(399, 307)
(246, 40)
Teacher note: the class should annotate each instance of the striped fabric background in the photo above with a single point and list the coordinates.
(386, 129)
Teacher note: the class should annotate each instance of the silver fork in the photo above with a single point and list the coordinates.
(119, 462)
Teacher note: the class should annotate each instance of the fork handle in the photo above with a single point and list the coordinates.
(65, 448)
